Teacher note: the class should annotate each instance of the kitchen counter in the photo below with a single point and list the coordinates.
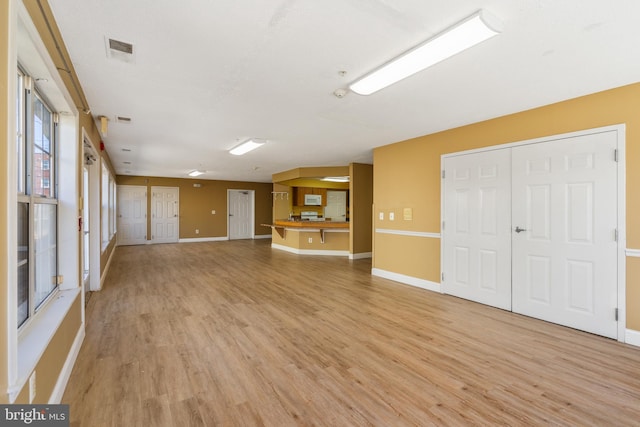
(310, 224)
(304, 234)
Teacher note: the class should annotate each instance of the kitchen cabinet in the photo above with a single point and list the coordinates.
(300, 192)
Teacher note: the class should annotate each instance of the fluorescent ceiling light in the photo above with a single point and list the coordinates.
(246, 146)
(336, 178)
(473, 30)
(196, 173)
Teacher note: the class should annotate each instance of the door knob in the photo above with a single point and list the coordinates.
(520, 230)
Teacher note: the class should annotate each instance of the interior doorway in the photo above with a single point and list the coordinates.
(165, 208)
(90, 229)
(240, 206)
(132, 215)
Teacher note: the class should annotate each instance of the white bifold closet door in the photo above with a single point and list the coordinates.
(532, 229)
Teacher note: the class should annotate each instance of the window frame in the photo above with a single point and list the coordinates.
(26, 195)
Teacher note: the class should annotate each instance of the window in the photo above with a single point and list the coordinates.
(20, 130)
(37, 204)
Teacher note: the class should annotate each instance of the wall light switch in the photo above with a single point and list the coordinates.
(391, 216)
(381, 216)
(310, 239)
(213, 212)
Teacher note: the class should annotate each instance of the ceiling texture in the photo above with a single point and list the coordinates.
(206, 75)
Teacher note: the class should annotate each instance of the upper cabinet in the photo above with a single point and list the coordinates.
(300, 192)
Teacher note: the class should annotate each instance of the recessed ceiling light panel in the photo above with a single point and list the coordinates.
(247, 146)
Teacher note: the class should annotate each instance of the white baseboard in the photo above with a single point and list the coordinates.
(407, 280)
(309, 251)
(106, 269)
(262, 236)
(65, 373)
(203, 239)
(361, 255)
(632, 337)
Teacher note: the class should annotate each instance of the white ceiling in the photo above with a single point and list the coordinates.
(208, 74)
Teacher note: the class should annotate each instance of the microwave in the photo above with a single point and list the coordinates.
(312, 200)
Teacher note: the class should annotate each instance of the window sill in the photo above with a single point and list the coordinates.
(34, 340)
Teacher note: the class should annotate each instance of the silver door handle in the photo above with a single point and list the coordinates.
(520, 230)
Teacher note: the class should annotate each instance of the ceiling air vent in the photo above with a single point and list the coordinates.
(119, 50)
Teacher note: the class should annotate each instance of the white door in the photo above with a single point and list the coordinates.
(240, 214)
(564, 243)
(477, 227)
(336, 208)
(132, 215)
(165, 206)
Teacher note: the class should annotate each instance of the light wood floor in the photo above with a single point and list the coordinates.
(235, 334)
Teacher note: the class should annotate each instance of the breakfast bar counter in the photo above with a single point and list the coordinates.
(301, 236)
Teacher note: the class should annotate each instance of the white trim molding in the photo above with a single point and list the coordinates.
(632, 253)
(408, 233)
(309, 251)
(65, 373)
(632, 337)
(407, 280)
(106, 269)
(361, 255)
(203, 239)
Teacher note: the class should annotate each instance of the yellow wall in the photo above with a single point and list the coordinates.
(407, 174)
(360, 202)
(196, 203)
(4, 208)
(50, 365)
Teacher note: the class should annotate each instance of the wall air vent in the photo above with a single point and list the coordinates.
(121, 119)
(119, 50)
(121, 46)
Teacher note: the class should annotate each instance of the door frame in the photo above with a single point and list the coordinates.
(252, 210)
(95, 250)
(620, 130)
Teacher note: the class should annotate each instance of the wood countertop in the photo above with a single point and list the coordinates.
(310, 224)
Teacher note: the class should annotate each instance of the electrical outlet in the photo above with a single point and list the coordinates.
(381, 216)
(32, 387)
(197, 231)
(310, 239)
(391, 216)
(213, 212)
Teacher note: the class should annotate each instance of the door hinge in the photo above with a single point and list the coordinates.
(442, 277)
(615, 155)
(443, 174)
(442, 225)
(616, 314)
(615, 234)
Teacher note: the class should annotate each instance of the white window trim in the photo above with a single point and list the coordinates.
(25, 347)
